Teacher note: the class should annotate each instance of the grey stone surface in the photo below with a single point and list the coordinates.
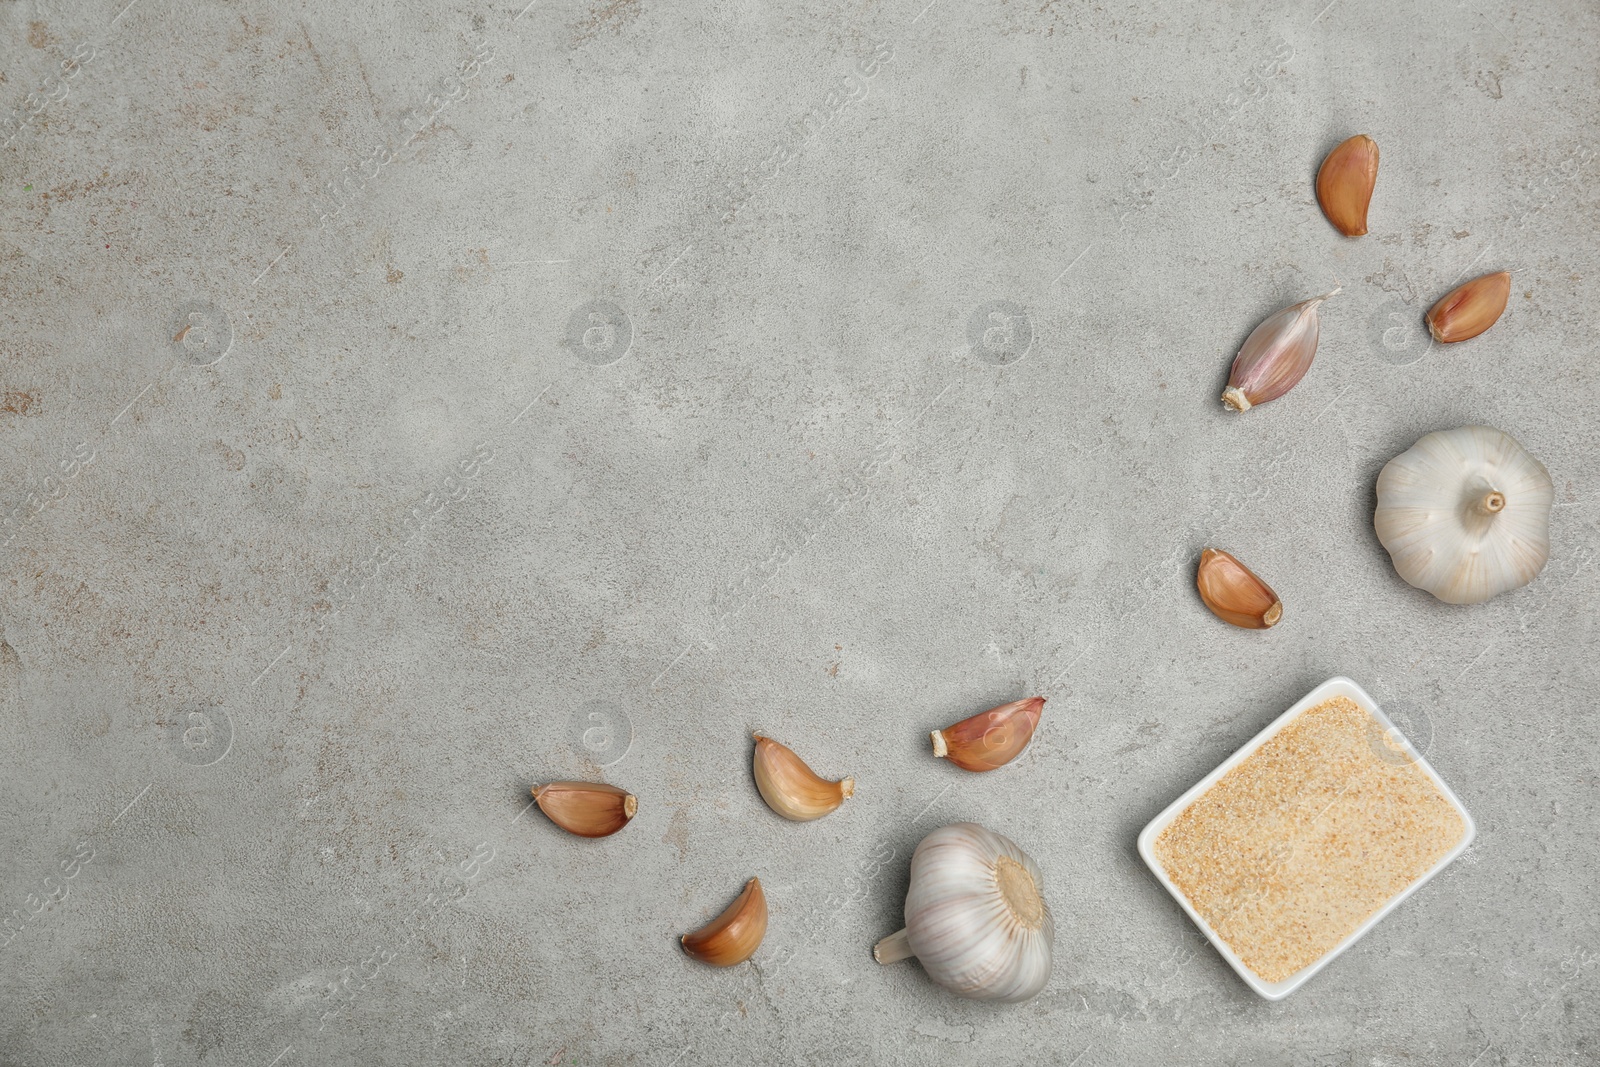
(601, 411)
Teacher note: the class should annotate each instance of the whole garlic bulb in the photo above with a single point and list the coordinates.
(1465, 514)
(975, 916)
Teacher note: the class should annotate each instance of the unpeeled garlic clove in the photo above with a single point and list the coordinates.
(793, 789)
(1468, 310)
(588, 809)
(992, 738)
(733, 936)
(1276, 355)
(1234, 594)
(1345, 182)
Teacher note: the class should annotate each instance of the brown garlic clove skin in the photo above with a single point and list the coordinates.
(793, 789)
(1467, 310)
(1234, 594)
(990, 739)
(1345, 182)
(588, 809)
(733, 936)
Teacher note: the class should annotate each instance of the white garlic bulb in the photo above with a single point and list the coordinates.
(975, 916)
(1465, 514)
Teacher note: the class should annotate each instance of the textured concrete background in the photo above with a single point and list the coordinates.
(407, 403)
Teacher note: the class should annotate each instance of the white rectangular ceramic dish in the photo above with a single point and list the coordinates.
(1333, 687)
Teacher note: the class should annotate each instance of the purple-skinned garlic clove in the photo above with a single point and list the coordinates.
(1276, 355)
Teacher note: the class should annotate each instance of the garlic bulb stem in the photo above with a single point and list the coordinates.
(1492, 504)
(894, 948)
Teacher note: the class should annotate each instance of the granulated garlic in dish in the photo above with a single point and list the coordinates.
(1316, 830)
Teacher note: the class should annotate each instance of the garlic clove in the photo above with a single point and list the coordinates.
(992, 738)
(1465, 514)
(733, 936)
(1467, 310)
(1234, 594)
(588, 809)
(793, 789)
(1345, 182)
(976, 917)
(1276, 355)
